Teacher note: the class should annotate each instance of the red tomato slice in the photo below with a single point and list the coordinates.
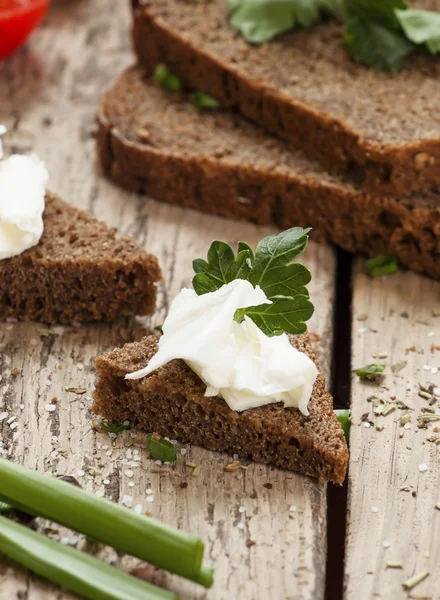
(18, 18)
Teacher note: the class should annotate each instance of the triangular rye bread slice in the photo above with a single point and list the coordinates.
(304, 87)
(171, 402)
(156, 142)
(79, 271)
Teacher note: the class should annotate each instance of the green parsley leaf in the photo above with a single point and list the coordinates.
(284, 315)
(370, 372)
(372, 34)
(261, 20)
(344, 418)
(114, 426)
(220, 258)
(160, 448)
(421, 27)
(381, 265)
(283, 283)
(163, 76)
(204, 101)
(271, 269)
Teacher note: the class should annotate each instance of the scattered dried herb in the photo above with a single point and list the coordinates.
(160, 448)
(415, 580)
(381, 265)
(113, 426)
(370, 372)
(399, 366)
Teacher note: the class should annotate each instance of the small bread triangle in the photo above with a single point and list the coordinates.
(78, 272)
(171, 402)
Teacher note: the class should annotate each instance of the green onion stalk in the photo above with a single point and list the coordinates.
(71, 569)
(107, 522)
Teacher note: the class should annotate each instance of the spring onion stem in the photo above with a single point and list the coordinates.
(73, 570)
(105, 521)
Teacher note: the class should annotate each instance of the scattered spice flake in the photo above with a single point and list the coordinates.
(45, 332)
(75, 390)
(399, 366)
(15, 372)
(232, 467)
(380, 427)
(404, 315)
(425, 395)
(365, 417)
(436, 313)
(362, 317)
(196, 471)
(54, 400)
(405, 419)
(393, 565)
(437, 506)
(389, 408)
(415, 580)
(410, 349)
(314, 337)
(250, 543)
(434, 348)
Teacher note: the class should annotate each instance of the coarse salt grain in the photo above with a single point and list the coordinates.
(80, 366)
(158, 463)
(106, 482)
(127, 501)
(128, 473)
(436, 391)
(362, 329)
(374, 509)
(138, 509)
(13, 425)
(386, 544)
(51, 407)
(431, 333)
(99, 493)
(240, 525)
(423, 467)
(427, 367)
(149, 498)
(148, 491)
(80, 473)
(183, 451)
(131, 484)
(434, 370)
(3, 416)
(367, 424)
(292, 508)
(241, 509)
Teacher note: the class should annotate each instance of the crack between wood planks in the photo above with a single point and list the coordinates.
(341, 390)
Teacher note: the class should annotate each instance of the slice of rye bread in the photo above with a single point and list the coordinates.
(303, 86)
(171, 402)
(155, 142)
(79, 271)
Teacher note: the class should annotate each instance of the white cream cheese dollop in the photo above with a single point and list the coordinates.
(236, 361)
(23, 181)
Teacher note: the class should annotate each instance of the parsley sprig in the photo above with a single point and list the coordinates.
(271, 268)
(378, 33)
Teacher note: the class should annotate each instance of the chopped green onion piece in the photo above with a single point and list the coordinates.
(160, 448)
(163, 76)
(344, 418)
(114, 426)
(159, 329)
(370, 372)
(382, 265)
(73, 570)
(205, 101)
(105, 521)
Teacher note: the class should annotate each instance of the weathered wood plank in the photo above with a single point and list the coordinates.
(48, 97)
(392, 513)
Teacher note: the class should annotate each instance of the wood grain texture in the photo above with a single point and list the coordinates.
(392, 504)
(49, 92)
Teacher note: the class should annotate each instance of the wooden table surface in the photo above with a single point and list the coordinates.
(265, 529)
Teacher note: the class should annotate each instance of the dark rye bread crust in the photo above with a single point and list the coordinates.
(171, 402)
(304, 87)
(158, 143)
(79, 271)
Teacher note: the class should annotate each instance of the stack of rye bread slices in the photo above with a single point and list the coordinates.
(357, 152)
